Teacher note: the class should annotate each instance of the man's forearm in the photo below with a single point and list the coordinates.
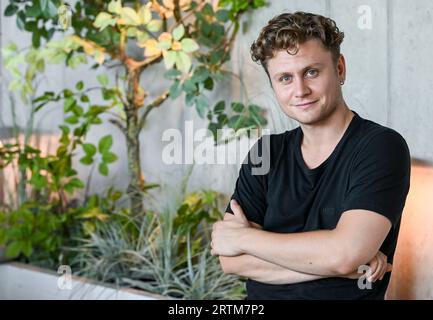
(315, 252)
(263, 271)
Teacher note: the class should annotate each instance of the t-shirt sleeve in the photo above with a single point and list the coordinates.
(380, 177)
(251, 184)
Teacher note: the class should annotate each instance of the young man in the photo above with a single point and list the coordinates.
(332, 199)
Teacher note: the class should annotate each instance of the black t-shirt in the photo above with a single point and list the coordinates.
(369, 169)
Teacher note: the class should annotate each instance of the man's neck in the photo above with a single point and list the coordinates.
(328, 133)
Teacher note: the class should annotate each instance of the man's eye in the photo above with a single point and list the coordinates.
(285, 78)
(312, 73)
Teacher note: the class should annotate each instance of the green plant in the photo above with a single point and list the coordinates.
(53, 175)
(39, 231)
(192, 38)
(165, 253)
(47, 214)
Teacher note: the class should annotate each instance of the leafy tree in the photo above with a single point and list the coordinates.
(192, 38)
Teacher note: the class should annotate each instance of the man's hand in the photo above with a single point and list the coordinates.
(226, 233)
(379, 267)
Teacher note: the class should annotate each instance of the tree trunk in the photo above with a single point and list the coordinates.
(136, 180)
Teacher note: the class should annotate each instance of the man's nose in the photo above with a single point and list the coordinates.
(301, 89)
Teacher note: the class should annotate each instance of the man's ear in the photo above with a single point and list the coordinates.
(341, 67)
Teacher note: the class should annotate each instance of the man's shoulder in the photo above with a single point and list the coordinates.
(374, 140)
(371, 134)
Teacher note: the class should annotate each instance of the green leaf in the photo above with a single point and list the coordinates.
(164, 45)
(150, 186)
(201, 104)
(256, 113)
(33, 12)
(103, 169)
(115, 6)
(189, 86)
(67, 93)
(130, 16)
(96, 121)
(21, 20)
(40, 65)
(208, 84)
(86, 160)
(72, 120)
(219, 107)
(69, 104)
(36, 38)
(154, 25)
(79, 86)
(65, 129)
(52, 10)
(142, 36)
(14, 249)
(27, 249)
(43, 4)
(209, 115)
(89, 149)
(103, 20)
(178, 32)
(208, 10)
(183, 62)
(190, 99)
(77, 110)
(102, 79)
(222, 15)
(189, 45)
(84, 98)
(170, 59)
(175, 90)
(235, 122)
(213, 127)
(105, 144)
(237, 107)
(10, 10)
(46, 96)
(145, 14)
(132, 32)
(109, 157)
(172, 74)
(200, 74)
(222, 119)
(76, 183)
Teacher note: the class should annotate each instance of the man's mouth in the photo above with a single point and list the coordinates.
(305, 104)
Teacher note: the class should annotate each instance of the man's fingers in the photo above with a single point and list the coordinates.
(373, 265)
(379, 270)
(237, 210)
(228, 216)
(388, 267)
(382, 266)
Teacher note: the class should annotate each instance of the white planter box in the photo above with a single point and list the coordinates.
(26, 282)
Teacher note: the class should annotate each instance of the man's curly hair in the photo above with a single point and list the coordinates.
(288, 30)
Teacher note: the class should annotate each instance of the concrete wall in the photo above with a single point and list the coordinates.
(389, 78)
(24, 282)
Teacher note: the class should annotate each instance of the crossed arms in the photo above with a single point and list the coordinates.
(246, 250)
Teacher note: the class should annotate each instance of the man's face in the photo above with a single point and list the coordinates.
(307, 85)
